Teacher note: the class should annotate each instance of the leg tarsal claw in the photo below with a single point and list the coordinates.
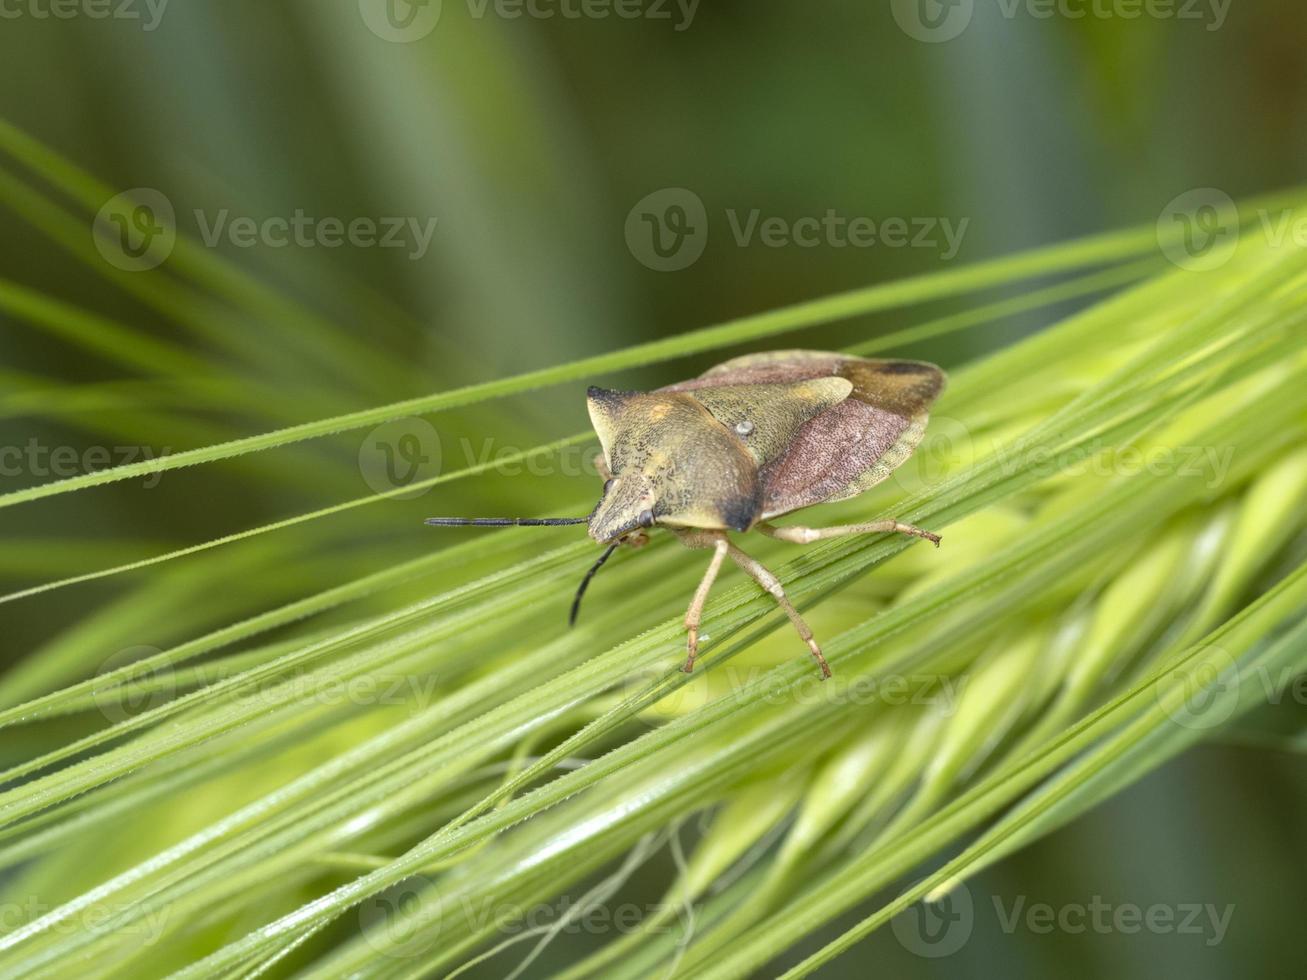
(821, 659)
(918, 532)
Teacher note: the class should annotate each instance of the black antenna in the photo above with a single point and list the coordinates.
(580, 592)
(504, 521)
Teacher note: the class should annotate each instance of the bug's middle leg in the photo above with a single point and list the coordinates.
(759, 573)
(806, 535)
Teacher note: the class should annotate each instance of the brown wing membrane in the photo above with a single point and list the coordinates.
(902, 387)
(852, 446)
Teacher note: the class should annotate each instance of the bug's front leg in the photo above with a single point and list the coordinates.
(601, 467)
(806, 535)
(694, 615)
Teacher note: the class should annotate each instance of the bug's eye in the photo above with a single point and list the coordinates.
(608, 484)
(646, 518)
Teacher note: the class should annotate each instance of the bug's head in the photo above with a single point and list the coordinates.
(672, 465)
(626, 510)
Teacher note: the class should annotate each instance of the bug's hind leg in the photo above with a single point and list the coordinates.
(759, 573)
(806, 535)
(694, 615)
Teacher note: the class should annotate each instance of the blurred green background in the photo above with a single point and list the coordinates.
(530, 141)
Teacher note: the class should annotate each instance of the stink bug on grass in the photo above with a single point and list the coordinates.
(746, 442)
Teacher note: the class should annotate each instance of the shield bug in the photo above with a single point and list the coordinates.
(748, 441)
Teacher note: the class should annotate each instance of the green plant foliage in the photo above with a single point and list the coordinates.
(375, 777)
